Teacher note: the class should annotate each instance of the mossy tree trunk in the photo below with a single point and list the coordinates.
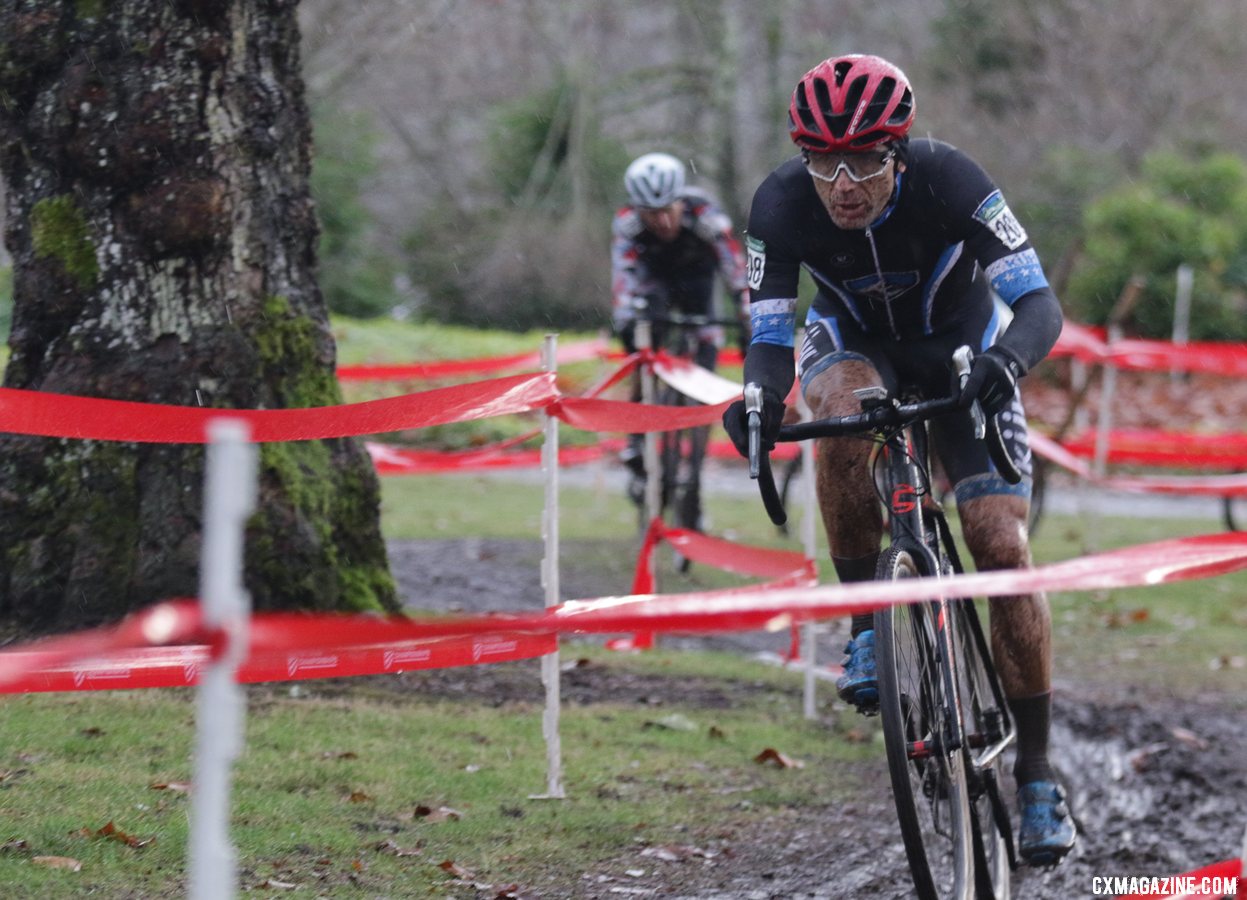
(156, 156)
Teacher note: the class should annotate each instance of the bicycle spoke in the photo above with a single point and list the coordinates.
(927, 780)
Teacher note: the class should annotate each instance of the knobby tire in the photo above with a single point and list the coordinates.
(982, 715)
(932, 805)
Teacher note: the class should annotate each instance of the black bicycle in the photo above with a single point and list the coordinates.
(1039, 469)
(945, 720)
(681, 453)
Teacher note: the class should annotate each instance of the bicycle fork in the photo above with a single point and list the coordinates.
(905, 492)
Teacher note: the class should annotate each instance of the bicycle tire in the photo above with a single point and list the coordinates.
(932, 805)
(792, 470)
(983, 716)
(1234, 512)
(1038, 482)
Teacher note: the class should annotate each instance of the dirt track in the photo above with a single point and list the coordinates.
(1158, 785)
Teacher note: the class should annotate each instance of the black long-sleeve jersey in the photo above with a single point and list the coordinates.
(916, 272)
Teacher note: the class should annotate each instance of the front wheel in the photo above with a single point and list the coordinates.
(1038, 483)
(1234, 511)
(928, 775)
(988, 730)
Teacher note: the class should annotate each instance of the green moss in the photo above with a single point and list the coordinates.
(59, 231)
(362, 588)
(328, 505)
(322, 511)
(289, 348)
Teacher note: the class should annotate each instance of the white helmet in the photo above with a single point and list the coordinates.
(654, 180)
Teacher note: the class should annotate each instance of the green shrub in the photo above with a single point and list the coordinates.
(1183, 209)
(538, 255)
(356, 279)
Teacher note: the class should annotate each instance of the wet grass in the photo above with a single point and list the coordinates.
(382, 792)
(1181, 639)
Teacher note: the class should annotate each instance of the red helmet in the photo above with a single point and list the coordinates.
(850, 103)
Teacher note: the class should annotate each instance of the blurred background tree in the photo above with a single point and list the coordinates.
(470, 153)
(356, 276)
(1185, 208)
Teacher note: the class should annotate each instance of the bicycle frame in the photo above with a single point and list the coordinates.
(910, 505)
(972, 726)
(917, 524)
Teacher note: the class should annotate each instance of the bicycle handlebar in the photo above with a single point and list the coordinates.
(759, 459)
(884, 416)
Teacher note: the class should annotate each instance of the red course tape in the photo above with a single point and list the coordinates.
(315, 646)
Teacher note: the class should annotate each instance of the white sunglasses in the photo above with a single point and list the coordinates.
(858, 166)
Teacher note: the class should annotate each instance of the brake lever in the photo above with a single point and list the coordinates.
(753, 417)
(759, 460)
(963, 356)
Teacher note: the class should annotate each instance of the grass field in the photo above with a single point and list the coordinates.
(360, 789)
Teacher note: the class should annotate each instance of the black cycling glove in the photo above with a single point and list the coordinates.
(993, 380)
(736, 422)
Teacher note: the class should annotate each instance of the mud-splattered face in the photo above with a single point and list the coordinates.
(855, 187)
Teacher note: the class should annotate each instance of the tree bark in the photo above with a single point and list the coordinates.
(156, 157)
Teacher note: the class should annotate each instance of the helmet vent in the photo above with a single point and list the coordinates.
(878, 103)
(803, 108)
(903, 110)
(842, 69)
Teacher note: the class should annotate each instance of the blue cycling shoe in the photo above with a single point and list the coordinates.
(859, 684)
(1048, 831)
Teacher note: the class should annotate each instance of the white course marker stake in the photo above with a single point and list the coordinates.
(550, 581)
(809, 541)
(229, 498)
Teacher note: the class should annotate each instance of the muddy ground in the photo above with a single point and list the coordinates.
(1158, 785)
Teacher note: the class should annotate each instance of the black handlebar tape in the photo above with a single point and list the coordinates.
(770, 494)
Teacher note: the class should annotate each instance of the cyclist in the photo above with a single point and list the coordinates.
(667, 244)
(906, 239)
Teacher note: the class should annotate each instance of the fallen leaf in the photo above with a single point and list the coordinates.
(449, 865)
(1141, 758)
(390, 848)
(1189, 738)
(176, 787)
(58, 862)
(717, 734)
(343, 754)
(93, 732)
(113, 833)
(441, 814)
(358, 797)
(666, 854)
(773, 757)
(677, 852)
